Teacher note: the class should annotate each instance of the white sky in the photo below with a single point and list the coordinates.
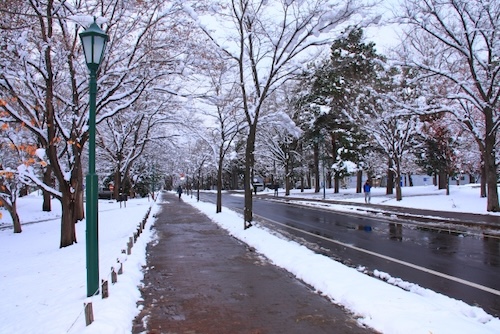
(43, 288)
(384, 35)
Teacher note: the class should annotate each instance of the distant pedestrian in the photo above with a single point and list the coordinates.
(276, 187)
(367, 189)
(179, 191)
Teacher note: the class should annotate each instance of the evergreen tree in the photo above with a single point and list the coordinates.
(336, 86)
(436, 155)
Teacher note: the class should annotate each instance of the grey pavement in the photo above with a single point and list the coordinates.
(199, 279)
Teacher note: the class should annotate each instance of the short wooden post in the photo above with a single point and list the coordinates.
(89, 313)
(105, 289)
(120, 270)
(129, 245)
(114, 278)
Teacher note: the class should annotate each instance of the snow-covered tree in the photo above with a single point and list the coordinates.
(8, 195)
(38, 81)
(438, 152)
(306, 117)
(268, 41)
(390, 124)
(455, 46)
(9, 177)
(223, 122)
(336, 85)
(43, 80)
(279, 135)
(123, 138)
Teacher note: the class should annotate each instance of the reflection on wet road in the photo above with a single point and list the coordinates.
(462, 267)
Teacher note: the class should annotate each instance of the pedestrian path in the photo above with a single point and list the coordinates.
(199, 279)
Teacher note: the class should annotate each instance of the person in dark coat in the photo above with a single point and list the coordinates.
(179, 191)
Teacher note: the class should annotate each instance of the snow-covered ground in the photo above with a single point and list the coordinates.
(43, 288)
(463, 198)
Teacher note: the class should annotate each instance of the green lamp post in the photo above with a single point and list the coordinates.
(94, 42)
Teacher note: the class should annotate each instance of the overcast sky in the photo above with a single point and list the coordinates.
(384, 35)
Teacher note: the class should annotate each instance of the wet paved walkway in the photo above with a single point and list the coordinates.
(201, 280)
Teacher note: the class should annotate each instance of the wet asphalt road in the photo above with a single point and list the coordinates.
(475, 259)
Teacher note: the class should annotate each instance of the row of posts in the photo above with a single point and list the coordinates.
(115, 270)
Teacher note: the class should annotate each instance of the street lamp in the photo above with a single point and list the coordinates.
(94, 42)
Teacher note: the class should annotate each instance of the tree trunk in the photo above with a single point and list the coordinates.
(287, 177)
(68, 233)
(336, 186)
(359, 181)
(233, 178)
(249, 156)
(389, 190)
(198, 186)
(218, 205)
(316, 167)
(117, 183)
(72, 193)
(12, 210)
(442, 180)
(399, 195)
(47, 179)
(490, 169)
(77, 184)
(483, 183)
(16, 222)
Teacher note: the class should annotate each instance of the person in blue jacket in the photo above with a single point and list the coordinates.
(367, 188)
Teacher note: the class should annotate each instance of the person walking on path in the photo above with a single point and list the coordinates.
(367, 188)
(179, 191)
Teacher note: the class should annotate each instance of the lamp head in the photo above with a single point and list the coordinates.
(94, 42)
